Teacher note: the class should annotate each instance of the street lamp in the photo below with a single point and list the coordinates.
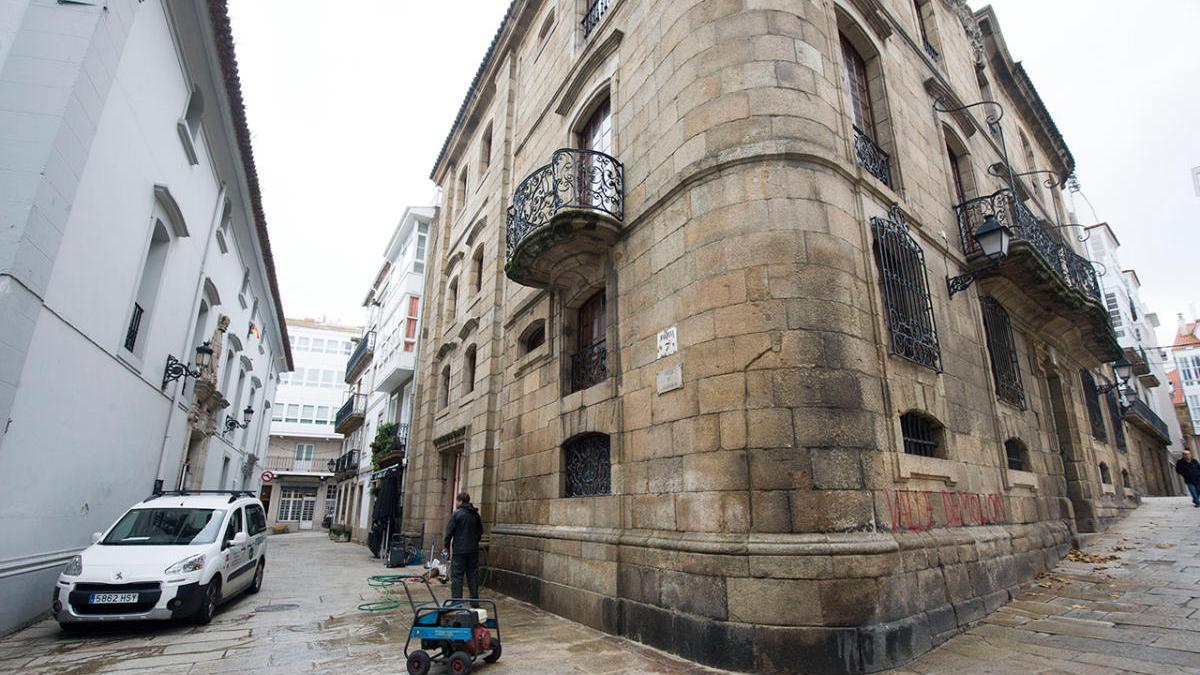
(176, 369)
(332, 465)
(231, 424)
(1123, 370)
(993, 238)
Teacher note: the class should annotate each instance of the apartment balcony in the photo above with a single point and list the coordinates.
(872, 157)
(346, 466)
(351, 415)
(564, 218)
(1143, 416)
(394, 370)
(289, 465)
(589, 366)
(361, 358)
(1045, 280)
(389, 447)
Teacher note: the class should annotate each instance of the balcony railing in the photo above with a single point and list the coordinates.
(389, 448)
(350, 416)
(135, 324)
(1073, 269)
(933, 53)
(872, 157)
(361, 357)
(315, 465)
(594, 13)
(589, 366)
(574, 205)
(1142, 415)
(346, 465)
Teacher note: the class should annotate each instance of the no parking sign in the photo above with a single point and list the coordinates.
(267, 476)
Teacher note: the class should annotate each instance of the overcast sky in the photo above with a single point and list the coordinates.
(349, 103)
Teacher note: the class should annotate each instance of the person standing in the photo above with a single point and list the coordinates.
(462, 538)
(1189, 468)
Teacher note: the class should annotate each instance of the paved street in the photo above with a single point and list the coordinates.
(305, 620)
(1129, 604)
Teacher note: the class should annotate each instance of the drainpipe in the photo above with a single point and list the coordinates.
(191, 329)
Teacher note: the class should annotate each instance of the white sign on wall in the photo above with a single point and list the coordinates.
(667, 342)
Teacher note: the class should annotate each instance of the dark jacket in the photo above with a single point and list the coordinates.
(1189, 469)
(464, 529)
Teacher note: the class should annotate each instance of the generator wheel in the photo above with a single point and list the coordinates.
(418, 662)
(460, 663)
(495, 655)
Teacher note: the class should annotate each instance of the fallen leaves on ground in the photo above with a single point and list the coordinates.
(1122, 548)
(1164, 546)
(1075, 555)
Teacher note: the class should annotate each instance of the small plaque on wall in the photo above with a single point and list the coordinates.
(668, 342)
(670, 379)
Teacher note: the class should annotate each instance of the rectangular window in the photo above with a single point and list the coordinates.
(323, 414)
(906, 292)
(293, 413)
(304, 451)
(587, 466)
(1002, 347)
(313, 378)
(1091, 398)
(419, 262)
(347, 347)
(306, 415)
(277, 413)
(1114, 313)
(1114, 417)
(302, 344)
(855, 74)
(318, 345)
(327, 379)
(410, 324)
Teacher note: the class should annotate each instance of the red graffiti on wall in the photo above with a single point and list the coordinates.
(924, 510)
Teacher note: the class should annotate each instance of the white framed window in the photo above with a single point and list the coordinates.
(323, 414)
(327, 379)
(306, 414)
(347, 347)
(277, 412)
(318, 344)
(304, 451)
(302, 343)
(313, 378)
(293, 413)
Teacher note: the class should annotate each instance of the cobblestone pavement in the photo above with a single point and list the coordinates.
(305, 620)
(1130, 604)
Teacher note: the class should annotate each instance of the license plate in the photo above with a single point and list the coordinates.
(113, 598)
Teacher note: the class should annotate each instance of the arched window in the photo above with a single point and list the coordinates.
(477, 269)
(861, 77)
(587, 466)
(452, 300)
(533, 337)
(1017, 454)
(147, 293)
(923, 435)
(444, 388)
(1105, 476)
(194, 112)
(469, 369)
(596, 131)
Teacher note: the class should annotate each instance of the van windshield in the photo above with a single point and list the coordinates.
(166, 527)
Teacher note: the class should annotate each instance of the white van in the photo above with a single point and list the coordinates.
(175, 555)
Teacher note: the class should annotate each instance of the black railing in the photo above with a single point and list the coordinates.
(355, 405)
(347, 463)
(1071, 267)
(872, 157)
(574, 179)
(906, 291)
(595, 12)
(1139, 410)
(135, 323)
(1002, 348)
(366, 347)
(933, 53)
(589, 366)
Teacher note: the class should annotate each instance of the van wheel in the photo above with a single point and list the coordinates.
(208, 605)
(256, 586)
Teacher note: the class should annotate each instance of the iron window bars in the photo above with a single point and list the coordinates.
(588, 466)
(1092, 399)
(135, 324)
(872, 157)
(920, 434)
(906, 291)
(595, 12)
(589, 366)
(1006, 369)
(1114, 416)
(1014, 452)
(574, 179)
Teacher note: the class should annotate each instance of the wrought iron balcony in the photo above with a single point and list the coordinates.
(1137, 356)
(388, 448)
(346, 465)
(1057, 279)
(595, 12)
(933, 53)
(361, 358)
(563, 215)
(351, 415)
(872, 157)
(589, 366)
(1143, 416)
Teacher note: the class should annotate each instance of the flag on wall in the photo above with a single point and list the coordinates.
(254, 331)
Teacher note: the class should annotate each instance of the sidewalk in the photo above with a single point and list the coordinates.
(1129, 602)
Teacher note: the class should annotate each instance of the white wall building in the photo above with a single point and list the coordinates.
(131, 228)
(1186, 352)
(1135, 328)
(303, 441)
(380, 372)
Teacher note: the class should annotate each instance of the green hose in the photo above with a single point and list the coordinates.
(380, 605)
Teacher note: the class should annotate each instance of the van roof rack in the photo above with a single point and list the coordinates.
(233, 494)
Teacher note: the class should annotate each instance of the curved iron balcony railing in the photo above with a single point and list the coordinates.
(1071, 267)
(1144, 416)
(872, 157)
(578, 190)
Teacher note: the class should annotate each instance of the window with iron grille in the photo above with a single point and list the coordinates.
(1114, 416)
(1002, 348)
(906, 291)
(1105, 476)
(1016, 453)
(1092, 399)
(922, 435)
(587, 466)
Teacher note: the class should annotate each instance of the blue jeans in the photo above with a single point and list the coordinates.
(1195, 490)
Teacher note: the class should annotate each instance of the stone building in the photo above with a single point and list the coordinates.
(141, 326)
(690, 340)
